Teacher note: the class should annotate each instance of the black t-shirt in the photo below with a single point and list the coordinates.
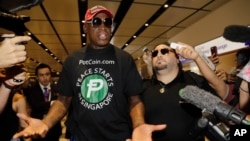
(100, 82)
(9, 122)
(168, 108)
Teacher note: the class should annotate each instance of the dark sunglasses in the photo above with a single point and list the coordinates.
(97, 22)
(163, 52)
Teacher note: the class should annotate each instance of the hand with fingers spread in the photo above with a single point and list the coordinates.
(144, 132)
(36, 128)
(12, 52)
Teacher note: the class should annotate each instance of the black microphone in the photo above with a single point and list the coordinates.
(206, 100)
(200, 126)
(237, 33)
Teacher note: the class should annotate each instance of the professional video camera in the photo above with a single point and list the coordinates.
(11, 21)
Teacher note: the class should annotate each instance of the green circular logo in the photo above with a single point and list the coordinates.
(94, 88)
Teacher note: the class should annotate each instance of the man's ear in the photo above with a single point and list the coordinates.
(85, 28)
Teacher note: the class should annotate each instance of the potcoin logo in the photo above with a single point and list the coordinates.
(94, 88)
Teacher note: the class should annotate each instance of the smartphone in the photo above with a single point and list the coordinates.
(214, 54)
(214, 51)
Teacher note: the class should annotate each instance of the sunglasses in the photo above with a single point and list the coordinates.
(97, 22)
(163, 52)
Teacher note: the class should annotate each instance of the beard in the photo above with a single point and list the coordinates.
(160, 67)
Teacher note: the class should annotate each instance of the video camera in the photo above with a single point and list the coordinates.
(11, 21)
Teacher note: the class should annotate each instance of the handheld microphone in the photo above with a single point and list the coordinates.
(237, 33)
(205, 100)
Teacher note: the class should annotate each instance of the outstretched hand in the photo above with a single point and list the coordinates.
(144, 132)
(35, 128)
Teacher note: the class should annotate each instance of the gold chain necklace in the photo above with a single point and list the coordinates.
(162, 89)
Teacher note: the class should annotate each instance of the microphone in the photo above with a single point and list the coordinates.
(237, 33)
(199, 127)
(206, 100)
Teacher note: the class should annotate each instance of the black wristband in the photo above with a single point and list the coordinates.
(7, 86)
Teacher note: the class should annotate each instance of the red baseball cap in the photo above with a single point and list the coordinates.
(91, 12)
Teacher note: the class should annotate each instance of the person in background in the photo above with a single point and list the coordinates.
(163, 105)
(40, 97)
(234, 82)
(16, 103)
(103, 85)
(16, 76)
(12, 52)
(244, 98)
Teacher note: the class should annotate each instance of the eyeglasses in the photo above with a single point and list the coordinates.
(163, 52)
(97, 22)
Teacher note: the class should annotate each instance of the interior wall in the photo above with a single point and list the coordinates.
(212, 26)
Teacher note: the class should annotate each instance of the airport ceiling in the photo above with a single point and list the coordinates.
(56, 25)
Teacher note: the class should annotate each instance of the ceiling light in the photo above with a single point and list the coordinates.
(166, 5)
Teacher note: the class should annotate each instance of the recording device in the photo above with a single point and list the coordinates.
(13, 22)
(175, 45)
(200, 126)
(237, 33)
(145, 49)
(13, 71)
(211, 103)
(214, 50)
(17, 5)
(216, 130)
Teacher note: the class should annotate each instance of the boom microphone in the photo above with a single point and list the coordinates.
(237, 33)
(205, 100)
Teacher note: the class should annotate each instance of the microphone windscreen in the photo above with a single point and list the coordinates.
(200, 98)
(237, 33)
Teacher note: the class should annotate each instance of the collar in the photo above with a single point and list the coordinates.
(42, 86)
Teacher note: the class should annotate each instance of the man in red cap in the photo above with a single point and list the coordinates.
(101, 84)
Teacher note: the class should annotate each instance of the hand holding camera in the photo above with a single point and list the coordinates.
(14, 76)
(12, 52)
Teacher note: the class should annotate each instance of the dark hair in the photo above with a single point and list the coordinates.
(154, 79)
(41, 66)
(176, 55)
(243, 56)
